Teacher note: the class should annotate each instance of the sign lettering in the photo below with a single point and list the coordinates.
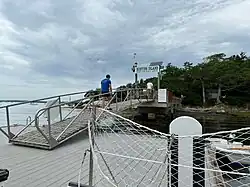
(147, 69)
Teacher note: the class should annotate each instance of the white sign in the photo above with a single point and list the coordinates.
(162, 96)
(147, 69)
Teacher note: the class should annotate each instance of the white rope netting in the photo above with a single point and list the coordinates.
(128, 154)
(219, 159)
(228, 158)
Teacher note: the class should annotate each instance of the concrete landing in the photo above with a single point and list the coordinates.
(153, 104)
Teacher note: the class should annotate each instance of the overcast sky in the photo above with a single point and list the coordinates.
(56, 46)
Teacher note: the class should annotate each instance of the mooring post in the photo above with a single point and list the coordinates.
(91, 161)
(187, 151)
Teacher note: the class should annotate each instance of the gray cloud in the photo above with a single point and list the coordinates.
(84, 40)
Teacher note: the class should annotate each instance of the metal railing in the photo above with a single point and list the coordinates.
(92, 101)
(7, 109)
(118, 95)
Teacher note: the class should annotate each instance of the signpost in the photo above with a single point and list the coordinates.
(147, 69)
(153, 67)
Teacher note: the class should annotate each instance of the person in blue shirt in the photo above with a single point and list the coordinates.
(106, 90)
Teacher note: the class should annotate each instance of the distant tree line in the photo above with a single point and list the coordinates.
(217, 79)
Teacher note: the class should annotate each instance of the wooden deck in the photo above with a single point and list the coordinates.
(35, 139)
(40, 168)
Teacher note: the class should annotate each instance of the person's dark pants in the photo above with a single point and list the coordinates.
(106, 96)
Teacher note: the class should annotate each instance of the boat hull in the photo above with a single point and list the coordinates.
(236, 151)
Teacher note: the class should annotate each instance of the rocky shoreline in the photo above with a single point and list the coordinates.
(213, 119)
(219, 109)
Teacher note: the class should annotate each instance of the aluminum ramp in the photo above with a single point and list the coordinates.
(59, 120)
(62, 131)
(35, 139)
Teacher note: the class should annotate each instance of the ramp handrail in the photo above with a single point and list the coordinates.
(49, 124)
(129, 93)
(31, 121)
(45, 98)
(70, 123)
(38, 114)
(7, 108)
(115, 96)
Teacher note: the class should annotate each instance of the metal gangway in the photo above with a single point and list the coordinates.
(61, 118)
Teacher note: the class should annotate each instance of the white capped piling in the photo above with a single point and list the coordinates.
(184, 151)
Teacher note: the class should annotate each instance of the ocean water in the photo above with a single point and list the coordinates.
(18, 114)
(18, 118)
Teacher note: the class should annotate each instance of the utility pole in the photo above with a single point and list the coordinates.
(159, 77)
(134, 69)
(136, 75)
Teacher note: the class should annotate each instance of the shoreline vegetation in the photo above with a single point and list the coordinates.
(218, 83)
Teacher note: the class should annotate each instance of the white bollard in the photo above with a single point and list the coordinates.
(183, 174)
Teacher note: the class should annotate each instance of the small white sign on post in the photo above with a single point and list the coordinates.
(162, 96)
(148, 69)
(53, 111)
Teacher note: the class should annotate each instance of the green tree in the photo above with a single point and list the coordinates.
(229, 75)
